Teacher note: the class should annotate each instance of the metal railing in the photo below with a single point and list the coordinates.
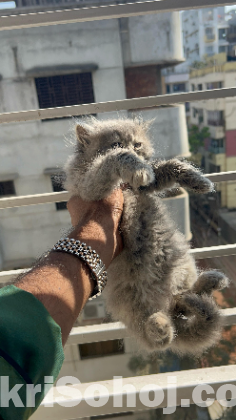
(103, 12)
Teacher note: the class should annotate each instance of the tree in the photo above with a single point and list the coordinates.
(196, 137)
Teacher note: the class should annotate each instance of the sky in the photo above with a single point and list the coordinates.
(8, 5)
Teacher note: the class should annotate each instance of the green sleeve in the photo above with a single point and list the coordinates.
(30, 352)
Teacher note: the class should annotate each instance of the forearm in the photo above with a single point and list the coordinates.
(61, 281)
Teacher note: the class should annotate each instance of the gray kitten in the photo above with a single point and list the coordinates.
(153, 286)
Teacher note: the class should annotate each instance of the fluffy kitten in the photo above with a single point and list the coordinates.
(153, 286)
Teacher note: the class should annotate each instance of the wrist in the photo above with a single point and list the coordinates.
(101, 238)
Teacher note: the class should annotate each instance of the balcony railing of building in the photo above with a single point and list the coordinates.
(218, 123)
(186, 381)
(216, 150)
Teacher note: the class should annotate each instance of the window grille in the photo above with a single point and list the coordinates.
(7, 188)
(101, 349)
(214, 85)
(57, 181)
(64, 90)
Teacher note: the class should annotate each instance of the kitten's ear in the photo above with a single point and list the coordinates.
(146, 125)
(82, 135)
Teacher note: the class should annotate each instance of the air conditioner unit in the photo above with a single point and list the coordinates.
(94, 309)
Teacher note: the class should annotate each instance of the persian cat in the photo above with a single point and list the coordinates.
(153, 286)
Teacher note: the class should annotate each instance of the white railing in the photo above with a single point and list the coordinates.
(116, 330)
(185, 381)
(54, 197)
(121, 105)
(58, 17)
(198, 253)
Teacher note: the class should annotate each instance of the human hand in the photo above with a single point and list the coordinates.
(97, 224)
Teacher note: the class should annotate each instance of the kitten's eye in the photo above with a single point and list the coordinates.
(137, 146)
(116, 145)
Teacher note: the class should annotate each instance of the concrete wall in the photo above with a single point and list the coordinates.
(152, 39)
(88, 370)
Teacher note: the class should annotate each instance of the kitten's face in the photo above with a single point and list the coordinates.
(97, 137)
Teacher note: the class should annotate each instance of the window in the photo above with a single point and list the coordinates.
(187, 106)
(209, 50)
(57, 181)
(214, 168)
(7, 188)
(179, 87)
(215, 118)
(222, 33)
(193, 87)
(199, 87)
(210, 34)
(217, 146)
(214, 85)
(200, 116)
(222, 48)
(207, 14)
(69, 89)
(167, 88)
(195, 113)
(101, 349)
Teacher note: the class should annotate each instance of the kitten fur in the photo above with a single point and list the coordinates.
(154, 286)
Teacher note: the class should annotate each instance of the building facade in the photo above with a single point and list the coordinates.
(204, 33)
(219, 154)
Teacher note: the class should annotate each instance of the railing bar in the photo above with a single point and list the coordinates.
(222, 176)
(198, 253)
(124, 104)
(58, 197)
(29, 200)
(117, 330)
(94, 333)
(103, 12)
(214, 251)
(183, 381)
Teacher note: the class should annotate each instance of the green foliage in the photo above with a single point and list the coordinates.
(196, 137)
(222, 353)
(198, 64)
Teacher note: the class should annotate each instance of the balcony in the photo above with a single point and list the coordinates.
(216, 150)
(216, 131)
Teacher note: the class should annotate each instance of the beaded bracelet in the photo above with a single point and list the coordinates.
(90, 257)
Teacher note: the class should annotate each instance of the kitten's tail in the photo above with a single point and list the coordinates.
(198, 324)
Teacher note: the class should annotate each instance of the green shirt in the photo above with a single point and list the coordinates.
(31, 352)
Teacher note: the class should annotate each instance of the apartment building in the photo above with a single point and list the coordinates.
(219, 151)
(219, 115)
(204, 33)
(72, 64)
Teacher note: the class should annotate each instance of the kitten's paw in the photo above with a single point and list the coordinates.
(159, 331)
(141, 176)
(209, 281)
(196, 182)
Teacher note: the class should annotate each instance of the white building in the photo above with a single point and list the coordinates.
(204, 33)
(66, 65)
